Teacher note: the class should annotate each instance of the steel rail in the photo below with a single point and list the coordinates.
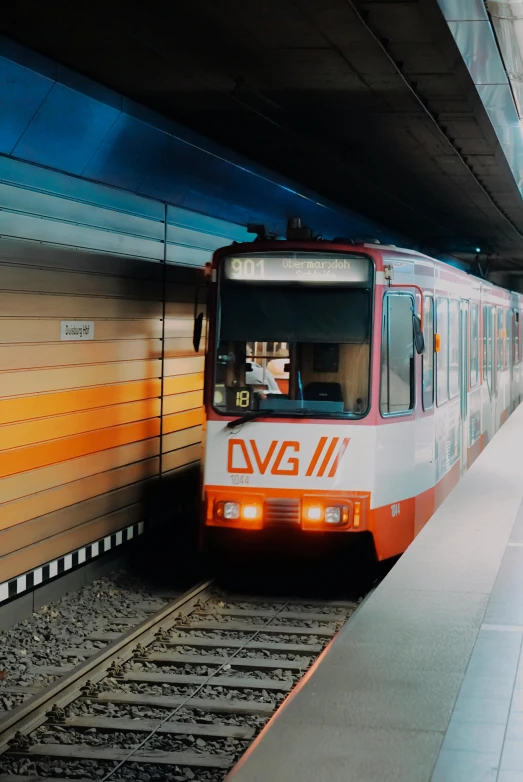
(164, 626)
(187, 698)
(25, 718)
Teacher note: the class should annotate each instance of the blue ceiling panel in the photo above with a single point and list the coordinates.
(67, 123)
(191, 177)
(129, 151)
(141, 158)
(66, 131)
(21, 95)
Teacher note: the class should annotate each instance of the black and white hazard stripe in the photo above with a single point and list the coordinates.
(57, 567)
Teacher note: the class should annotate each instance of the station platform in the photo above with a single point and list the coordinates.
(425, 682)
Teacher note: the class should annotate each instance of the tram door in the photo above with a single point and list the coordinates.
(464, 382)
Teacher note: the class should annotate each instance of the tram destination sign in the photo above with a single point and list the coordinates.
(298, 267)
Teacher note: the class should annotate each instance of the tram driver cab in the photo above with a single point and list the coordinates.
(293, 347)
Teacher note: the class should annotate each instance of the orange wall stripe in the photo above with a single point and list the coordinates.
(175, 440)
(184, 366)
(34, 381)
(174, 459)
(181, 327)
(42, 405)
(179, 385)
(173, 423)
(18, 435)
(179, 402)
(182, 346)
(27, 558)
(55, 475)
(29, 458)
(64, 353)
(20, 511)
(20, 536)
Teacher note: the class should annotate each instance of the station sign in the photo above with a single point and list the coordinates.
(298, 267)
(76, 329)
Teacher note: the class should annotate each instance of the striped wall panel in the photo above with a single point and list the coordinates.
(79, 420)
(192, 237)
(86, 435)
(183, 375)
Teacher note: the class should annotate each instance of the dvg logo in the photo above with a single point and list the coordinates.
(283, 458)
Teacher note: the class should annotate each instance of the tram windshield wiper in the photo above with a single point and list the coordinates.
(243, 419)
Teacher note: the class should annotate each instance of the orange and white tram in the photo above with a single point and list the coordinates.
(348, 387)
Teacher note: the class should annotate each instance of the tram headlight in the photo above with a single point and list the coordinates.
(314, 513)
(336, 514)
(251, 511)
(231, 510)
(319, 513)
(333, 515)
(247, 513)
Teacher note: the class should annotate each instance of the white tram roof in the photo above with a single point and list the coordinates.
(405, 254)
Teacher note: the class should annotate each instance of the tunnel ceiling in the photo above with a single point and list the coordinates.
(367, 103)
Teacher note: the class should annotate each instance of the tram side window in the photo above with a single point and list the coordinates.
(474, 345)
(428, 353)
(442, 358)
(397, 355)
(508, 338)
(488, 347)
(485, 333)
(500, 338)
(453, 348)
(514, 325)
(516, 341)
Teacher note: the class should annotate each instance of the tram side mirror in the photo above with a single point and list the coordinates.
(287, 367)
(419, 340)
(248, 366)
(197, 332)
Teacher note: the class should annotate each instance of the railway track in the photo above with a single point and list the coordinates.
(179, 696)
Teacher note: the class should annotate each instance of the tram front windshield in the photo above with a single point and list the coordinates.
(292, 338)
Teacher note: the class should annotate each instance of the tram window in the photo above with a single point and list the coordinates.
(397, 355)
(488, 346)
(516, 341)
(485, 333)
(514, 337)
(500, 338)
(508, 338)
(428, 353)
(453, 349)
(442, 358)
(474, 345)
(293, 350)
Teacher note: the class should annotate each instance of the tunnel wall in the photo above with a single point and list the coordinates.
(108, 212)
(85, 433)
